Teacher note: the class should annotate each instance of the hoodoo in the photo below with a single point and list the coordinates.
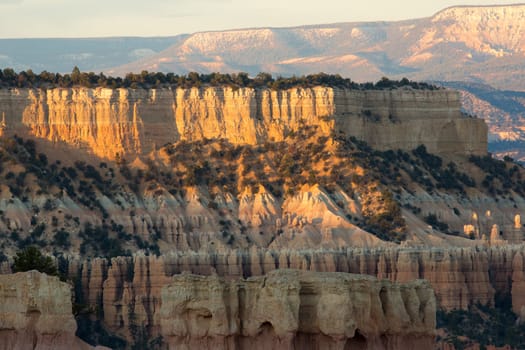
(290, 309)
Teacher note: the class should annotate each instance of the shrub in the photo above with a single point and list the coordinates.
(61, 239)
(32, 259)
(432, 220)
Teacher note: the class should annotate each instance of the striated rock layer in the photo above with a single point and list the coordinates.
(35, 313)
(133, 122)
(129, 290)
(134, 293)
(291, 309)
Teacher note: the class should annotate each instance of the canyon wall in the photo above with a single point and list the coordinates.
(154, 296)
(292, 309)
(130, 290)
(133, 122)
(405, 119)
(36, 313)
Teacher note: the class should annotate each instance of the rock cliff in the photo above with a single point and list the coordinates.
(290, 309)
(261, 202)
(36, 313)
(152, 296)
(133, 122)
(131, 291)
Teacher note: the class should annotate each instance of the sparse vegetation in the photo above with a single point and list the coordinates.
(500, 176)
(484, 325)
(282, 168)
(98, 241)
(62, 239)
(433, 221)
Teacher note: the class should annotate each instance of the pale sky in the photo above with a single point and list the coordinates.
(103, 18)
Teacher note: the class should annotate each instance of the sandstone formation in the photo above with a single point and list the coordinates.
(132, 292)
(250, 211)
(35, 313)
(107, 122)
(290, 309)
(130, 289)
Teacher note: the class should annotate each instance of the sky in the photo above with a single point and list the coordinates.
(106, 18)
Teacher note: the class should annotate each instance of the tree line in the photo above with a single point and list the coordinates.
(147, 80)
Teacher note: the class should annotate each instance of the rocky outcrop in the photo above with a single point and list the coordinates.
(405, 119)
(131, 292)
(290, 309)
(133, 122)
(35, 313)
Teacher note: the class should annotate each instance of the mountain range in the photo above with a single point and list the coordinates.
(474, 44)
(470, 44)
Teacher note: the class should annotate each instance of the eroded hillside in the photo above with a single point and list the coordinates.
(306, 191)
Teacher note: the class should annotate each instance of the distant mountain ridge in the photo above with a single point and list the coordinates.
(476, 44)
(89, 54)
(481, 44)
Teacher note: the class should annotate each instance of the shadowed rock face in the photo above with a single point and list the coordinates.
(35, 313)
(290, 309)
(133, 122)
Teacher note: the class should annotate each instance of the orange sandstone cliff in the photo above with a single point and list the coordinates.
(133, 122)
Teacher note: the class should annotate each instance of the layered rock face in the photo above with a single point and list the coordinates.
(133, 122)
(290, 309)
(405, 119)
(130, 290)
(35, 313)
